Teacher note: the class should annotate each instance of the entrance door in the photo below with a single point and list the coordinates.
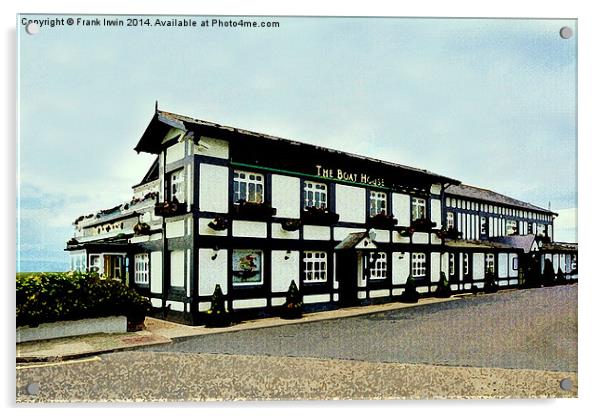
(347, 276)
(113, 266)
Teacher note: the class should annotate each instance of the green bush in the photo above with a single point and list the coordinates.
(51, 297)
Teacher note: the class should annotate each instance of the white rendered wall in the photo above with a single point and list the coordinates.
(212, 272)
(213, 188)
(284, 270)
(351, 203)
(502, 265)
(401, 209)
(249, 229)
(445, 264)
(176, 152)
(174, 229)
(436, 212)
(176, 267)
(212, 147)
(435, 266)
(511, 271)
(156, 272)
(286, 196)
(401, 267)
(316, 232)
(478, 266)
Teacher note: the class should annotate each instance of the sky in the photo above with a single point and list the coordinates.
(490, 102)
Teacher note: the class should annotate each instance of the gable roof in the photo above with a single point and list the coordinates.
(523, 242)
(354, 240)
(481, 194)
(163, 121)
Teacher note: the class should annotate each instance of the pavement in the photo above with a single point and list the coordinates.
(159, 332)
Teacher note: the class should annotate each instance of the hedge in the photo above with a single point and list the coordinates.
(51, 297)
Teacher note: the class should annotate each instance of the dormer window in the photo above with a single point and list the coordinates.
(248, 186)
(378, 203)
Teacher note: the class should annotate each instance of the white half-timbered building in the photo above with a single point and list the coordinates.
(253, 212)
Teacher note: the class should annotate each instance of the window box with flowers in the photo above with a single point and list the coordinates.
(449, 234)
(318, 216)
(422, 225)
(170, 208)
(252, 210)
(382, 221)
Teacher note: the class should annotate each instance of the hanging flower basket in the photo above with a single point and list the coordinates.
(291, 225)
(219, 223)
(141, 228)
(318, 216)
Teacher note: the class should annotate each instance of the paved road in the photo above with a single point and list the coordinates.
(137, 376)
(529, 329)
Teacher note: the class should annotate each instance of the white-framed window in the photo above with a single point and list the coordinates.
(418, 208)
(177, 185)
(465, 264)
(511, 228)
(248, 186)
(378, 203)
(247, 267)
(315, 194)
(141, 270)
(450, 221)
(377, 266)
(315, 265)
(484, 230)
(418, 265)
(515, 263)
(94, 263)
(452, 264)
(490, 263)
(541, 230)
(78, 262)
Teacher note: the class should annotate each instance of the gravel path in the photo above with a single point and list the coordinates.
(529, 329)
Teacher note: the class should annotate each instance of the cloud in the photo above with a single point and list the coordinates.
(489, 102)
